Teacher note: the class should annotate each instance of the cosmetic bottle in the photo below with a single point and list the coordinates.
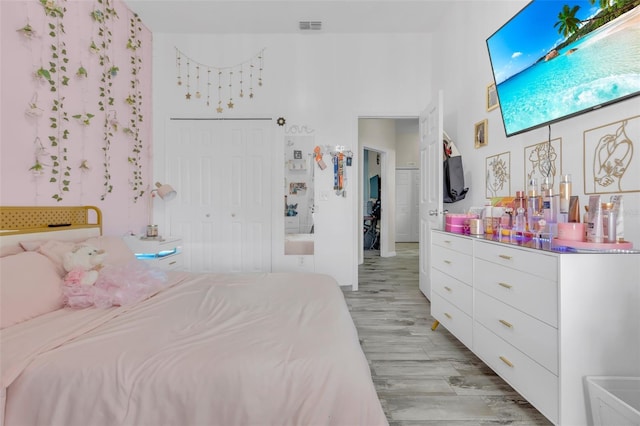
(594, 226)
(488, 219)
(565, 193)
(619, 210)
(609, 223)
(506, 220)
(534, 204)
(521, 221)
(520, 201)
(548, 205)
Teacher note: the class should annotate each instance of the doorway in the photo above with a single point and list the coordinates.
(395, 142)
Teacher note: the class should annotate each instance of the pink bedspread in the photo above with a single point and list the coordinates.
(249, 349)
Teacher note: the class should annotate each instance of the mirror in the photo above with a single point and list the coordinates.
(299, 199)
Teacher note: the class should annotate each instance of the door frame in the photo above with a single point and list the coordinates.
(385, 223)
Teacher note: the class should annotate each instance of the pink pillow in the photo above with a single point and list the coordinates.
(118, 252)
(29, 286)
(32, 245)
(9, 250)
(55, 251)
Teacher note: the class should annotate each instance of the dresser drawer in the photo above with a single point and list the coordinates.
(534, 262)
(533, 337)
(456, 264)
(535, 296)
(169, 263)
(454, 320)
(539, 386)
(453, 242)
(454, 291)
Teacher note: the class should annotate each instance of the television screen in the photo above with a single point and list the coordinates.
(556, 59)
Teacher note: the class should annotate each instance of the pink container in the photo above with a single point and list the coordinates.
(458, 223)
(572, 231)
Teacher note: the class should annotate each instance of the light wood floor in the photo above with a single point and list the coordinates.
(424, 377)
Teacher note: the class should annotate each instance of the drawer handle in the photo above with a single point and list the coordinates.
(506, 323)
(505, 285)
(448, 262)
(504, 256)
(447, 288)
(172, 263)
(506, 361)
(448, 316)
(447, 242)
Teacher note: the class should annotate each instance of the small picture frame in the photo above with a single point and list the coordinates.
(297, 154)
(480, 136)
(492, 97)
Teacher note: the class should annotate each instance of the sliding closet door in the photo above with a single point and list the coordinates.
(222, 172)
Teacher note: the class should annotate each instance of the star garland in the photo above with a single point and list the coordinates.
(230, 76)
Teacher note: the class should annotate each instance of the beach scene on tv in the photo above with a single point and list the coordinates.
(558, 58)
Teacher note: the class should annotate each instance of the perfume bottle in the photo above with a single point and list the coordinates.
(521, 220)
(548, 201)
(565, 193)
(534, 204)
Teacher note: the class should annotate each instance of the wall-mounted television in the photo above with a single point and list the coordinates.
(558, 58)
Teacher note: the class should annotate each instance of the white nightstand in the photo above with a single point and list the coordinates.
(164, 252)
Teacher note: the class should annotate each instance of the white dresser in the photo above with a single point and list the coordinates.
(542, 320)
(164, 253)
(291, 224)
(451, 285)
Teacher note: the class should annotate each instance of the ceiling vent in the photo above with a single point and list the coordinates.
(310, 25)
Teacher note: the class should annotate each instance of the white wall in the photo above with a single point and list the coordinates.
(323, 81)
(407, 143)
(464, 72)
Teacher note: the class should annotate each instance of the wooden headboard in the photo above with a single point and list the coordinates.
(16, 220)
(25, 219)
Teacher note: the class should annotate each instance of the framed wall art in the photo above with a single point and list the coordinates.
(492, 97)
(480, 135)
(610, 161)
(543, 159)
(498, 175)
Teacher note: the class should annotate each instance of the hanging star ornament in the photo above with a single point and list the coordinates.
(230, 77)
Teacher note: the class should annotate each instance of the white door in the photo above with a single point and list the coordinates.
(222, 170)
(431, 135)
(407, 205)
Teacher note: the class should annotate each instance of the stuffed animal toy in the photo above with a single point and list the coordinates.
(82, 265)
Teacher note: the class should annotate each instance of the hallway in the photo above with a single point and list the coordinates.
(424, 377)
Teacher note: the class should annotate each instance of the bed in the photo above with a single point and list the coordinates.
(208, 349)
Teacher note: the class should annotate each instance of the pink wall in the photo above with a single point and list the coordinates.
(21, 57)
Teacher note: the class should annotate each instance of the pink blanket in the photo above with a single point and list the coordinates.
(245, 349)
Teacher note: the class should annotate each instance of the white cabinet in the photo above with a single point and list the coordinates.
(291, 224)
(542, 320)
(164, 253)
(451, 289)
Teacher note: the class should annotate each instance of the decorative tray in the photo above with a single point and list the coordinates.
(585, 245)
